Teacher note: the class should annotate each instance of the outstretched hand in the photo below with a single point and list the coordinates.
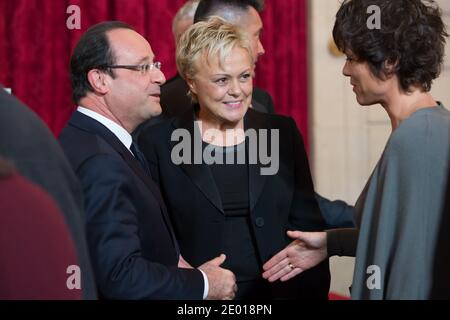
(306, 251)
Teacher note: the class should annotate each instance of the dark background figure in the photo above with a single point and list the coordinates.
(36, 247)
(441, 274)
(36, 154)
(337, 213)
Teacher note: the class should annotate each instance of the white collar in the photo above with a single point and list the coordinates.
(118, 131)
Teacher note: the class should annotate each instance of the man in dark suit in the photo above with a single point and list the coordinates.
(26, 140)
(135, 255)
(174, 93)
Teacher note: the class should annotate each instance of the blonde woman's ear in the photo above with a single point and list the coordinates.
(191, 85)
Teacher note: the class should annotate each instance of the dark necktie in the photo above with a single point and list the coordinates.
(140, 157)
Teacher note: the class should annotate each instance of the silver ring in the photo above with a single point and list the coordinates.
(291, 266)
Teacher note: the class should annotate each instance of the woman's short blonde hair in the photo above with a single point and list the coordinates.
(208, 39)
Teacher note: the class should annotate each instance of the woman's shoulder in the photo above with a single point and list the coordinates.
(424, 122)
(426, 129)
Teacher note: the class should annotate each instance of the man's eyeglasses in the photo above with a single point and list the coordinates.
(143, 68)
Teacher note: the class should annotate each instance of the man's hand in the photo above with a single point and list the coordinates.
(222, 282)
(306, 251)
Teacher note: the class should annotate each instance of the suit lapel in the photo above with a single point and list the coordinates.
(256, 181)
(258, 106)
(200, 174)
(86, 123)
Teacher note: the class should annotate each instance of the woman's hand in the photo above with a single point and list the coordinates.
(306, 251)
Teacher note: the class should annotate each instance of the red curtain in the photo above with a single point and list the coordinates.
(36, 44)
(283, 69)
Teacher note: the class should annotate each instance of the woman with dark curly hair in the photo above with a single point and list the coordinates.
(399, 211)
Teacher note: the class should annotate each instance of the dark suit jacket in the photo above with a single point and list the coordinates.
(133, 248)
(280, 202)
(262, 101)
(337, 213)
(27, 141)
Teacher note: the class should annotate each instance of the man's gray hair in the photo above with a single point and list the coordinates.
(186, 12)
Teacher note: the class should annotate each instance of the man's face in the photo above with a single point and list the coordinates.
(252, 24)
(133, 95)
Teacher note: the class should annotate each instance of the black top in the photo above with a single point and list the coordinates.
(231, 177)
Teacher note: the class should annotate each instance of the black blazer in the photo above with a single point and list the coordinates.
(280, 202)
(27, 141)
(175, 102)
(131, 241)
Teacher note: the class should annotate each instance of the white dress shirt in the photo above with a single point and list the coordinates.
(123, 135)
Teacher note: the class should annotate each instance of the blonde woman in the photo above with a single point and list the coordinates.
(241, 208)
